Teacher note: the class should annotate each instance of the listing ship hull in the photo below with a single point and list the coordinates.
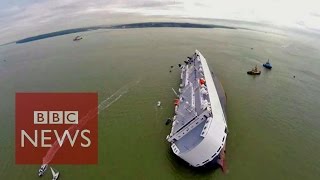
(199, 128)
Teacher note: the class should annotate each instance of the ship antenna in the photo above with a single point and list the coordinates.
(174, 92)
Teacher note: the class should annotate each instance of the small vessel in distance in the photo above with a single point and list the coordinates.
(77, 38)
(254, 71)
(199, 129)
(267, 65)
(55, 175)
(42, 169)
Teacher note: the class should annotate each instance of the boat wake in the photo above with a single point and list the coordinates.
(106, 103)
(115, 96)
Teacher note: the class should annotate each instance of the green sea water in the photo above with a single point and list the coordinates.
(273, 119)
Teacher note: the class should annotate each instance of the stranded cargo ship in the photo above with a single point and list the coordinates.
(199, 129)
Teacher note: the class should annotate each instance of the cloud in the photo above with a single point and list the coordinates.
(19, 21)
(276, 12)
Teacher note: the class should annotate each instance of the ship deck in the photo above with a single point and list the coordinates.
(191, 101)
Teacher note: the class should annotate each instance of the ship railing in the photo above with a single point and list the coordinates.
(205, 129)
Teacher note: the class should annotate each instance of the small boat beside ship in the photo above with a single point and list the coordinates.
(267, 65)
(55, 175)
(254, 71)
(42, 169)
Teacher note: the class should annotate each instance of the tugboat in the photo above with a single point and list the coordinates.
(267, 65)
(254, 71)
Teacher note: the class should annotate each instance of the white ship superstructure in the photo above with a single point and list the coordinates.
(199, 128)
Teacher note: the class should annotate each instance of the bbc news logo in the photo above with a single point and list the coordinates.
(55, 117)
(56, 128)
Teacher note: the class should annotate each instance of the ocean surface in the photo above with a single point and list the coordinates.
(273, 119)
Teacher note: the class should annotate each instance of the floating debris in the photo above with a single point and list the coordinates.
(159, 103)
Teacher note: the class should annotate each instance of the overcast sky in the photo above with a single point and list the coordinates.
(22, 18)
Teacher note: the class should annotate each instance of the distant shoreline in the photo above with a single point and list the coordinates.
(122, 26)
